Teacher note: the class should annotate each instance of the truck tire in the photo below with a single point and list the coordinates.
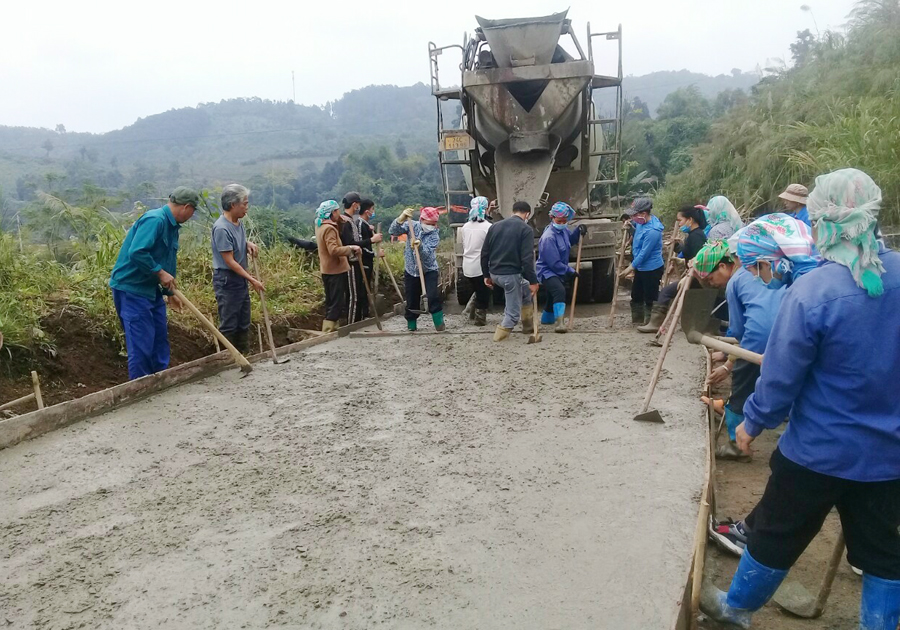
(603, 281)
(585, 285)
(463, 288)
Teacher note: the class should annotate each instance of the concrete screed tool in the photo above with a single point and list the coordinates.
(792, 597)
(369, 294)
(239, 358)
(265, 310)
(699, 325)
(536, 336)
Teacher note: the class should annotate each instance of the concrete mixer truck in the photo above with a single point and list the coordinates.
(523, 125)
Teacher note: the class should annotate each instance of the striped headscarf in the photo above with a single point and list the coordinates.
(722, 217)
(324, 211)
(781, 240)
(478, 207)
(844, 207)
(709, 257)
(562, 210)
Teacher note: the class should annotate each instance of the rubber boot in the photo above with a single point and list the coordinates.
(637, 314)
(547, 317)
(480, 317)
(879, 607)
(438, 319)
(559, 314)
(469, 311)
(528, 319)
(241, 341)
(411, 325)
(752, 586)
(501, 333)
(657, 316)
(329, 326)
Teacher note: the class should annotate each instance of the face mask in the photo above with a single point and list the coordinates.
(559, 226)
(774, 283)
(639, 220)
(428, 228)
(686, 229)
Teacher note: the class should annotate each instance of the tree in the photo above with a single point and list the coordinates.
(686, 102)
(47, 146)
(400, 149)
(636, 109)
(60, 128)
(802, 49)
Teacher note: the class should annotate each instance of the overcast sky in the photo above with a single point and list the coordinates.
(98, 65)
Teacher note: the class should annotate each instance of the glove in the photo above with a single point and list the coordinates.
(575, 274)
(416, 242)
(405, 216)
(582, 229)
(676, 247)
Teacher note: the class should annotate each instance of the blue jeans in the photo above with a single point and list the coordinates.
(146, 332)
(518, 292)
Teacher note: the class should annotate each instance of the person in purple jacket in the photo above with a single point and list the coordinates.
(831, 362)
(553, 262)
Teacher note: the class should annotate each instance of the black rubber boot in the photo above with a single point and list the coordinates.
(657, 316)
(241, 341)
(480, 317)
(637, 314)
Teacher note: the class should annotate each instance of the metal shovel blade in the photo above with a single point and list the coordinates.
(696, 313)
(651, 415)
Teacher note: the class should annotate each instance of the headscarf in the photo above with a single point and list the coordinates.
(844, 208)
(781, 240)
(324, 211)
(709, 257)
(641, 204)
(429, 214)
(723, 219)
(562, 210)
(478, 207)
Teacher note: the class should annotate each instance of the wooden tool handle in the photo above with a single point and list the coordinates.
(617, 270)
(239, 358)
(265, 310)
(362, 270)
(715, 344)
(679, 303)
(574, 288)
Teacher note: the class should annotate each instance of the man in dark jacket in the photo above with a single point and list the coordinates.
(507, 260)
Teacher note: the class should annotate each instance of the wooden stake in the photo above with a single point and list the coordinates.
(259, 335)
(216, 339)
(36, 382)
(17, 401)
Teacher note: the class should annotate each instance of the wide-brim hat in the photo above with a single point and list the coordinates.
(795, 192)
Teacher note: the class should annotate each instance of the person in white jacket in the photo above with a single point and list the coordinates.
(473, 234)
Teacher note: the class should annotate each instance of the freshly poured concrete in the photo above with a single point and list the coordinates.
(440, 481)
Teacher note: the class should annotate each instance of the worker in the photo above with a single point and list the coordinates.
(553, 270)
(230, 249)
(351, 235)
(424, 236)
(722, 218)
(647, 260)
(794, 198)
(145, 272)
(692, 221)
(367, 238)
(831, 362)
(333, 262)
(507, 260)
(751, 313)
(473, 234)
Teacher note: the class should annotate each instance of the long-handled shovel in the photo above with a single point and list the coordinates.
(536, 336)
(792, 597)
(574, 288)
(653, 415)
(423, 301)
(239, 358)
(372, 304)
(265, 310)
(697, 321)
(618, 269)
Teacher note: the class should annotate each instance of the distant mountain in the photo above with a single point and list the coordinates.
(242, 138)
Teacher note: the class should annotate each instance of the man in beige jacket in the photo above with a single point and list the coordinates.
(332, 261)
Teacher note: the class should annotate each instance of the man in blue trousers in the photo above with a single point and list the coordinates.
(143, 274)
(832, 362)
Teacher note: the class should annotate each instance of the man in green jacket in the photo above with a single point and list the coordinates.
(144, 272)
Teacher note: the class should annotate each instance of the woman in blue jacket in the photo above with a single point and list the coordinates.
(646, 259)
(553, 262)
(831, 362)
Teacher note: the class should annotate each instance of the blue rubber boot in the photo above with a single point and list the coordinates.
(547, 317)
(879, 608)
(559, 315)
(752, 586)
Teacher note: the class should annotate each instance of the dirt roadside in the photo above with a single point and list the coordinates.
(439, 481)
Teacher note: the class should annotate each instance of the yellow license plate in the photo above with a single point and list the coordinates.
(455, 142)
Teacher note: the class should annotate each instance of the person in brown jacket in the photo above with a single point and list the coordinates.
(332, 261)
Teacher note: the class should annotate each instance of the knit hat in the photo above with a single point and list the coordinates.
(795, 192)
(429, 214)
